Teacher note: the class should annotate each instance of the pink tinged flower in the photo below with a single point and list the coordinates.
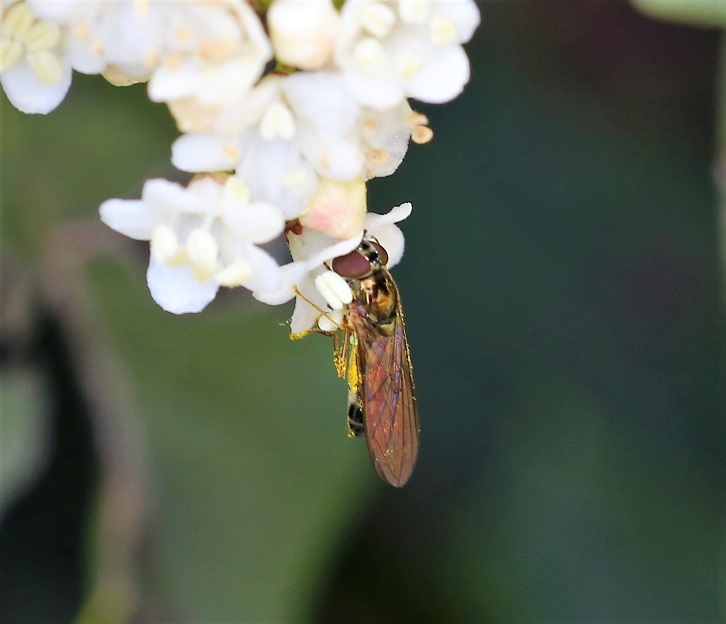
(201, 237)
(337, 209)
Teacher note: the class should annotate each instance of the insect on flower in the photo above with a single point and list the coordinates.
(376, 362)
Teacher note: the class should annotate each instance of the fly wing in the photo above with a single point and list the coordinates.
(390, 413)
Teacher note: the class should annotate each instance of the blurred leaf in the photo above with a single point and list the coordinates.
(24, 431)
(694, 12)
(255, 479)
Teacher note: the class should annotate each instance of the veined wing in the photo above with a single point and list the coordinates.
(386, 391)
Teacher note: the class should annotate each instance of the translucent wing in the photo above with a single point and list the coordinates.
(386, 395)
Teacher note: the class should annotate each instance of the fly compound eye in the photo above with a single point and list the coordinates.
(352, 265)
(382, 253)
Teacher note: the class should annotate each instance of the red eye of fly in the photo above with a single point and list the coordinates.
(352, 265)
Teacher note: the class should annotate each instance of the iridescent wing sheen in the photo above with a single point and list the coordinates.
(386, 394)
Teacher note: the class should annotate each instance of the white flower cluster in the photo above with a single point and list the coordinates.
(286, 109)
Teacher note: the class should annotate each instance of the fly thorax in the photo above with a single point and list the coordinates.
(379, 298)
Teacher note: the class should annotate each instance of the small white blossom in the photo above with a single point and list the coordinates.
(34, 72)
(303, 32)
(213, 52)
(406, 48)
(278, 152)
(205, 51)
(202, 237)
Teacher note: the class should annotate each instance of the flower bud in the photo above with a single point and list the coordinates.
(303, 32)
(337, 209)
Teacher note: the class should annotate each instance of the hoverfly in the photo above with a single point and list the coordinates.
(376, 362)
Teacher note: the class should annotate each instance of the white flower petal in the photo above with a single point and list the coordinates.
(385, 135)
(379, 89)
(442, 79)
(130, 36)
(256, 222)
(303, 31)
(204, 152)
(267, 275)
(176, 290)
(389, 235)
(332, 157)
(172, 83)
(59, 11)
(30, 94)
(84, 58)
(463, 13)
(399, 213)
(165, 195)
(277, 173)
(305, 315)
(131, 217)
(321, 101)
(220, 83)
(290, 275)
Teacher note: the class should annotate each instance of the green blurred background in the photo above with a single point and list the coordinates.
(562, 301)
